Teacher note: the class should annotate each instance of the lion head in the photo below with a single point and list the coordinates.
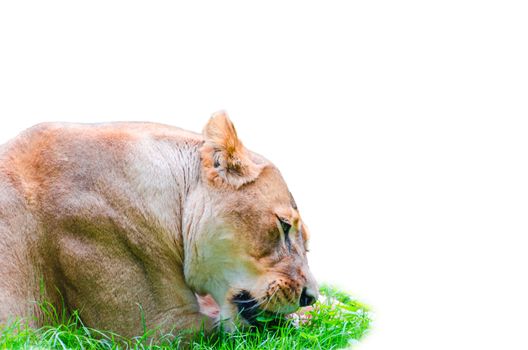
(244, 240)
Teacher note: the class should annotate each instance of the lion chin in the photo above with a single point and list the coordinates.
(142, 224)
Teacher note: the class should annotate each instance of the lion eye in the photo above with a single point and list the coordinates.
(285, 226)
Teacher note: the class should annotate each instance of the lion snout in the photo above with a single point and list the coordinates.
(282, 296)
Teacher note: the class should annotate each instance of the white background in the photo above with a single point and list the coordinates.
(400, 127)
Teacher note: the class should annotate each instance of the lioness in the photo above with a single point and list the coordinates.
(112, 218)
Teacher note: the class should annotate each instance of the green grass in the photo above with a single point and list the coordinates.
(336, 322)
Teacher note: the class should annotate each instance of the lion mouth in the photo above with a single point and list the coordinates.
(249, 310)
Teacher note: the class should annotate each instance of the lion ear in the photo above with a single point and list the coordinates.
(225, 160)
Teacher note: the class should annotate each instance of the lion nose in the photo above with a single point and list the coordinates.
(307, 298)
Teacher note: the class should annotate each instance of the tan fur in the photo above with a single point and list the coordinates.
(103, 218)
